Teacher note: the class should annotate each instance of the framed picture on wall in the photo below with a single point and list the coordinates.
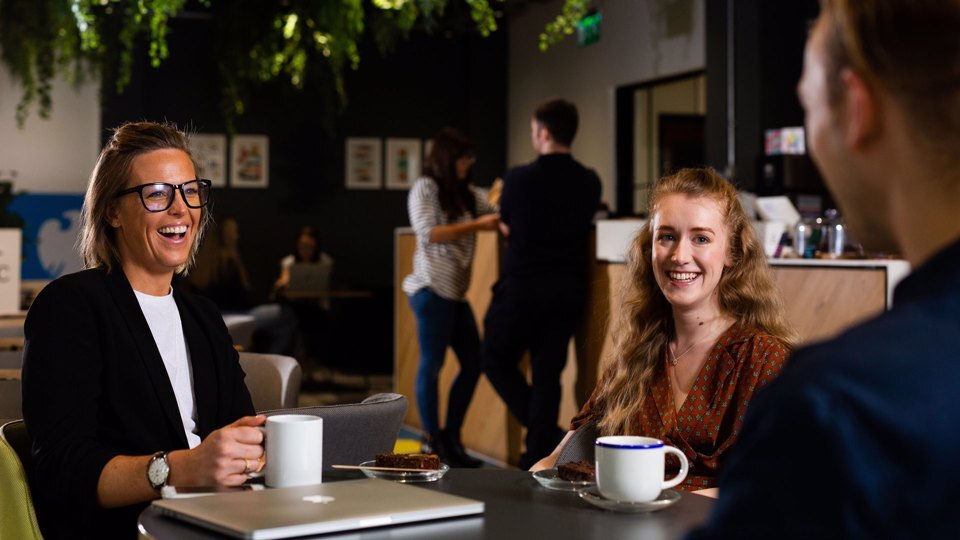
(364, 168)
(403, 162)
(210, 152)
(250, 161)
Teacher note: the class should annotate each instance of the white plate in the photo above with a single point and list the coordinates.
(667, 498)
(403, 476)
(550, 479)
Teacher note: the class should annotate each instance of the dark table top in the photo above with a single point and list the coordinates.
(516, 508)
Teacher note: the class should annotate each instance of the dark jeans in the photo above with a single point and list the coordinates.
(443, 323)
(538, 315)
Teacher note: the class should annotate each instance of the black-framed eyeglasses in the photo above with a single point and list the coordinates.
(158, 196)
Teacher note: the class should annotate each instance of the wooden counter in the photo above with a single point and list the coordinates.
(822, 297)
(488, 428)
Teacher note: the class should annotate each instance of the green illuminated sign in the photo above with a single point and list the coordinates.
(588, 29)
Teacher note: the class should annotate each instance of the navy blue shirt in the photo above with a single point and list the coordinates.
(549, 206)
(860, 435)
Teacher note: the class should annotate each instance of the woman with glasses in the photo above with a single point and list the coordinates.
(129, 386)
(445, 213)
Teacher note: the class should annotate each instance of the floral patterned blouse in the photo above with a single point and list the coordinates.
(707, 424)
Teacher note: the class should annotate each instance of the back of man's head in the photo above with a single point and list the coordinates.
(560, 118)
(910, 48)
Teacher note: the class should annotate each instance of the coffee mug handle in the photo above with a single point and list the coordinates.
(684, 467)
(262, 471)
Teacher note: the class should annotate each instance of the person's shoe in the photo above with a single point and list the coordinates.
(456, 449)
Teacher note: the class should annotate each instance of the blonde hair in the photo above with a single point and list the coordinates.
(97, 243)
(746, 291)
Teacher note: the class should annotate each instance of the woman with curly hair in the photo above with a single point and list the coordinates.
(701, 329)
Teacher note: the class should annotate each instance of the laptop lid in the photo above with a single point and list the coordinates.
(313, 277)
(324, 508)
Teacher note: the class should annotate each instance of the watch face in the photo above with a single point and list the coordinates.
(157, 471)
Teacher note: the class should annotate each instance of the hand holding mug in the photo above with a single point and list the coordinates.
(223, 458)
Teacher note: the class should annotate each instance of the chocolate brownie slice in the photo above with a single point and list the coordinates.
(408, 461)
(577, 471)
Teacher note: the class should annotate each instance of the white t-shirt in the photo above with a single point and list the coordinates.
(163, 317)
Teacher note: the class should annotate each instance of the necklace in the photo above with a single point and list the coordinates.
(674, 358)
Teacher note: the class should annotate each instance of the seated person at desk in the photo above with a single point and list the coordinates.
(128, 385)
(701, 329)
(307, 252)
(310, 306)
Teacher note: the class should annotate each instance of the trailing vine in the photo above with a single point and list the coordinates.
(259, 41)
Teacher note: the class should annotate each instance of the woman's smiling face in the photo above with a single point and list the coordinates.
(155, 243)
(691, 247)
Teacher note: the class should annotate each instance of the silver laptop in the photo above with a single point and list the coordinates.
(330, 507)
(309, 277)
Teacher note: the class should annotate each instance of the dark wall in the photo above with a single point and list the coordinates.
(427, 83)
(769, 39)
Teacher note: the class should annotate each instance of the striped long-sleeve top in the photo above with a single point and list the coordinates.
(444, 267)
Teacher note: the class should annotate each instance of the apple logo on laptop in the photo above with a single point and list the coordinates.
(319, 499)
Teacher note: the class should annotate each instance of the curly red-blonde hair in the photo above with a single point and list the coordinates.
(746, 292)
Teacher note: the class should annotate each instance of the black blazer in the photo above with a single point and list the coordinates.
(95, 387)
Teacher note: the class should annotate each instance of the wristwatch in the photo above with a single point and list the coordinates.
(158, 470)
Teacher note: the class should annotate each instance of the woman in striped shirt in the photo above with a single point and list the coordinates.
(445, 213)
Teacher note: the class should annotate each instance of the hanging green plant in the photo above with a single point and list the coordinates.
(259, 41)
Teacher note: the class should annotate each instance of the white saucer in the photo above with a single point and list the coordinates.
(550, 479)
(667, 498)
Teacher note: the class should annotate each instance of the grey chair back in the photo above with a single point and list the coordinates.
(272, 379)
(357, 432)
(580, 447)
(10, 387)
(10, 400)
(15, 433)
(11, 359)
(241, 328)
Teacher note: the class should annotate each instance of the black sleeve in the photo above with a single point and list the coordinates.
(239, 401)
(507, 196)
(62, 362)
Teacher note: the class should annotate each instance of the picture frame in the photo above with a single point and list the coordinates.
(402, 162)
(250, 161)
(363, 163)
(209, 150)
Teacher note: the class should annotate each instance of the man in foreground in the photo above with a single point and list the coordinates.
(859, 436)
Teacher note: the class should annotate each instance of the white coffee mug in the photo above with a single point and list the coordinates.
(293, 449)
(631, 468)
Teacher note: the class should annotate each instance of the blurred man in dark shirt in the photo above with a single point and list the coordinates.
(546, 212)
